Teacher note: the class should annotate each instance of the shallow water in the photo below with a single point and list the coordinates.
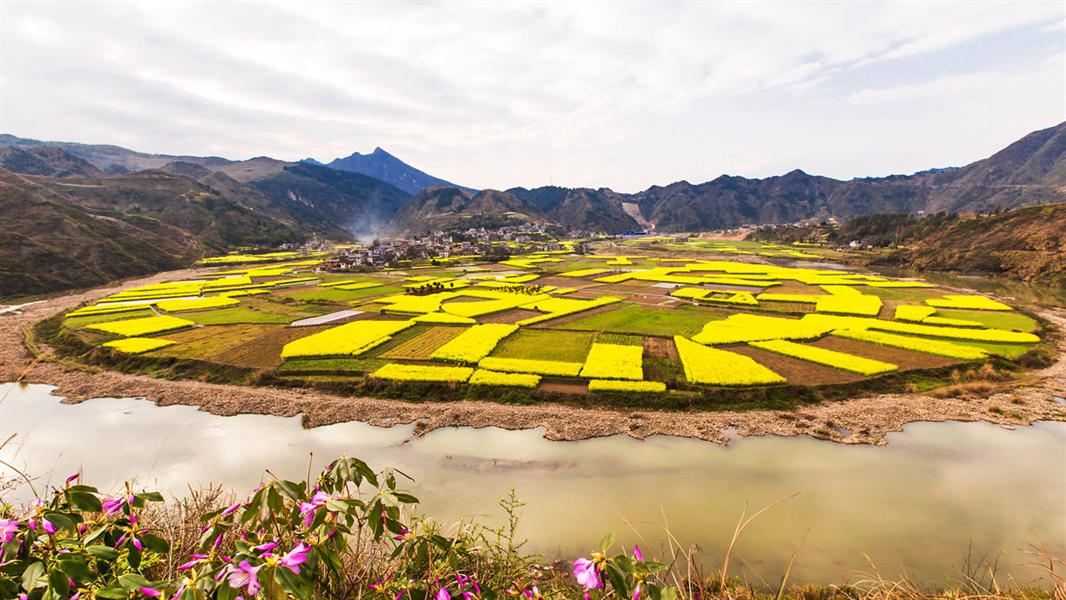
(914, 506)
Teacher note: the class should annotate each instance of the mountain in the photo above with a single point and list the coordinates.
(379, 164)
(111, 159)
(82, 231)
(447, 208)
(582, 208)
(46, 160)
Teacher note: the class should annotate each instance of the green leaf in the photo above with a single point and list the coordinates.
(60, 520)
(83, 501)
(618, 581)
(34, 577)
(606, 543)
(102, 552)
(291, 583)
(76, 569)
(155, 543)
(132, 581)
(294, 491)
(58, 583)
(406, 498)
(112, 593)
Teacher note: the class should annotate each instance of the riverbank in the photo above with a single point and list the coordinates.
(863, 420)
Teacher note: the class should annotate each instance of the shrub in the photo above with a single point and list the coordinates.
(822, 356)
(142, 326)
(614, 361)
(474, 344)
(720, 367)
(485, 377)
(611, 385)
(526, 365)
(350, 339)
(937, 347)
(137, 345)
(402, 372)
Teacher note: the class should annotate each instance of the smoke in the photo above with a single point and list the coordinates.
(368, 227)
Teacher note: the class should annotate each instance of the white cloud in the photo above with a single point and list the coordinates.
(499, 94)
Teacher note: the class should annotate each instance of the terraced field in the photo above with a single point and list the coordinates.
(663, 326)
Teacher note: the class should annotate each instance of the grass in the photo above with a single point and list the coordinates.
(993, 319)
(335, 295)
(546, 344)
(91, 319)
(227, 316)
(210, 341)
(646, 320)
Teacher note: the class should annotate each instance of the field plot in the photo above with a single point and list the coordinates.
(422, 346)
(555, 323)
(541, 344)
(633, 318)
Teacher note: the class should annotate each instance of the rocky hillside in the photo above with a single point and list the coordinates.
(444, 208)
(1027, 243)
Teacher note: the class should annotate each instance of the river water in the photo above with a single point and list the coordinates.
(916, 506)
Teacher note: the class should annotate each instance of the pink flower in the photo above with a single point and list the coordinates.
(636, 554)
(295, 557)
(308, 509)
(113, 505)
(73, 476)
(8, 529)
(231, 509)
(267, 547)
(137, 543)
(196, 559)
(49, 527)
(442, 594)
(150, 592)
(244, 576)
(585, 573)
(636, 592)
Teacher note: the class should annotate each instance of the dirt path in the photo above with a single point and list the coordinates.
(862, 420)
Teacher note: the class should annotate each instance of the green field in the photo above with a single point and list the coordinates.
(239, 314)
(544, 344)
(647, 320)
(993, 318)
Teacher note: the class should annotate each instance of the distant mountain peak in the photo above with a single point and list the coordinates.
(380, 164)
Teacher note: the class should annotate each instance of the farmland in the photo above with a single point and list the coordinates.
(710, 320)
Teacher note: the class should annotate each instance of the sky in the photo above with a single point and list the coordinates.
(496, 95)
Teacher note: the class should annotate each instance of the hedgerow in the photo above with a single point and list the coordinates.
(474, 344)
(823, 356)
(720, 367)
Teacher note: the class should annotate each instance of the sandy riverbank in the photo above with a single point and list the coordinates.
(860, 420)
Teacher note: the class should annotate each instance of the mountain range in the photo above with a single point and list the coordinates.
(80, 214)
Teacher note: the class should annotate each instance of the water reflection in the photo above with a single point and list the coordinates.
(913, 506)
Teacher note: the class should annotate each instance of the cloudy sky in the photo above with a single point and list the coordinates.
(623, 95)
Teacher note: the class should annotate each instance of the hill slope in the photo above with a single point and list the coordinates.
(448, 208)
(73, 232)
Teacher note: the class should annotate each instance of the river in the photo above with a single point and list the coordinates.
(916, 506)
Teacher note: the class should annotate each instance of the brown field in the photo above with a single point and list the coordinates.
(564, 388)
(660, 348)
(508, 317)
(204, 343)
(905, 359)
(796, 371)
(264, 352)
(422, 346)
